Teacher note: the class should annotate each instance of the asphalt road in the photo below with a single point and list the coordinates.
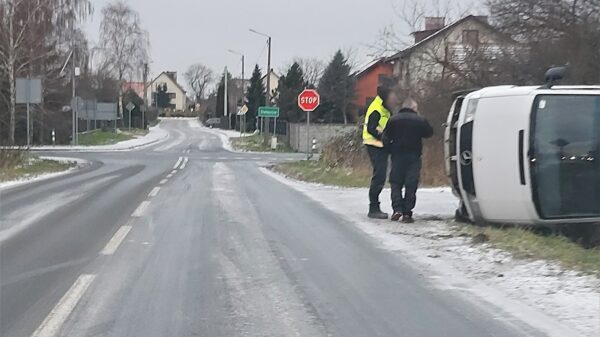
(186, 239)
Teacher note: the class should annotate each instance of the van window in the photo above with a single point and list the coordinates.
(565, 163)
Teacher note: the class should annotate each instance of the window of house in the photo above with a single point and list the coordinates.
(470, 37)
(172, 95)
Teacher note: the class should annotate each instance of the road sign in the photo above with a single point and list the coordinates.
(309, 100)
(268, 111)
(243, 110)
(130, 106)
(29, 90)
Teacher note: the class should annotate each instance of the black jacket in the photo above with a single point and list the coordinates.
(404, 132)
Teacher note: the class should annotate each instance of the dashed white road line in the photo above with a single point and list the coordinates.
(185, 161)
(154, 192)
(170, 176)
(139, 211)
(115, 242)
(164, 181)
(178, 162)
(174, 171)
(51, 326)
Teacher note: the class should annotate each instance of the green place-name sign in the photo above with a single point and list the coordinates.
(268, 111)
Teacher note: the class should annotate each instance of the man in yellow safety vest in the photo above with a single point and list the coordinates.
(376, 120)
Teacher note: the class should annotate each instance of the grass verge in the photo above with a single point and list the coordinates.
(31, 167)
(316, 171)
(98, 137)
(525, 243)
(255, 143)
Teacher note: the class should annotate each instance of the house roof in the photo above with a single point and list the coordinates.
(369, 66)
(447, 28)
(166, 73)
(271, 72)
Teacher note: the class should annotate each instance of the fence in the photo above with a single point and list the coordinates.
(321, 132)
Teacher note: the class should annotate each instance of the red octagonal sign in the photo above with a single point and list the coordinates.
(309, 100)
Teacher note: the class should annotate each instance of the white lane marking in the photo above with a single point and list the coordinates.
(141, 208)
(222, 158)
(154, 192)
(256, 158)
(115, 242)
(185, 161)
(177, 163)
(164, 181)
(58, 316)
(174, 171)
(170, 176)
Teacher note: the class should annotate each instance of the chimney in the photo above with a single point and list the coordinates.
(434, 22)
(172, 75)
(432, 25)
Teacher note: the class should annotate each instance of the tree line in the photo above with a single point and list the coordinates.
(41, 38)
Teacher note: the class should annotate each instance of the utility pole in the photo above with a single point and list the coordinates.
(268, 76)
(225, 99)
(243, 84)
(145, 105)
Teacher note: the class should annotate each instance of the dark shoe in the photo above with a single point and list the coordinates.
(407, 218)
(396, 216)
(378, 215)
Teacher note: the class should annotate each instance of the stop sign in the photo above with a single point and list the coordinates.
(309, 100)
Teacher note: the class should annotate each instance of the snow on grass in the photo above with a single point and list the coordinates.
(550, 298)
(155, 135)
(74, 163)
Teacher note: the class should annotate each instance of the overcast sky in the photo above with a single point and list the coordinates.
(183, 32)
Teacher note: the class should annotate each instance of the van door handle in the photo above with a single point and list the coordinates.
(521, 157)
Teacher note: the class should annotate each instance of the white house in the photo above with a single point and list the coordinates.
(441, 51)
(176, 92)
(273, 81)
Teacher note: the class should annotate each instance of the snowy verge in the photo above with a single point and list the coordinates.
(79, 163)
(551, 299)
(155, 135)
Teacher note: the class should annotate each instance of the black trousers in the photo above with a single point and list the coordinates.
(405, 174)
(379, 162)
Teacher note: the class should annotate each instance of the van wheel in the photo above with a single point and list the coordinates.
(461, 215)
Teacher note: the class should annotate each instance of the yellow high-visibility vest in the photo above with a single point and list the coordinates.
(376, 105)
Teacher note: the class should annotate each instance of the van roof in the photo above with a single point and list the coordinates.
(513, 90)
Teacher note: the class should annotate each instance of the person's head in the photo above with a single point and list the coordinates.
(389, 97)
(411, 104)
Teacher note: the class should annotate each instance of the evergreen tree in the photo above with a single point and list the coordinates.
(290, 86)
(162, 97)
(336, 88)
(255, 97)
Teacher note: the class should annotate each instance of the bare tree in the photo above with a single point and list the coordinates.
(312, 68)
(27, 29)
(124, 44)
(199, 77)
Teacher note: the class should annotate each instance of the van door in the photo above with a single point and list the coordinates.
(565, 157)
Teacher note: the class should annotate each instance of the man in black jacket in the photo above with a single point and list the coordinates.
(403, 137)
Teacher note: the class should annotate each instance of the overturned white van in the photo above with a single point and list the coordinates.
(526, 155)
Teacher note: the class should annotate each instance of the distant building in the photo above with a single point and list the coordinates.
(175, 91)
(368, 79)
(137, 87)
(439, 52)
(442, 51)
(273, 81)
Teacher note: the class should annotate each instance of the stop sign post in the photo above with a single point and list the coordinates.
(308, 101)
